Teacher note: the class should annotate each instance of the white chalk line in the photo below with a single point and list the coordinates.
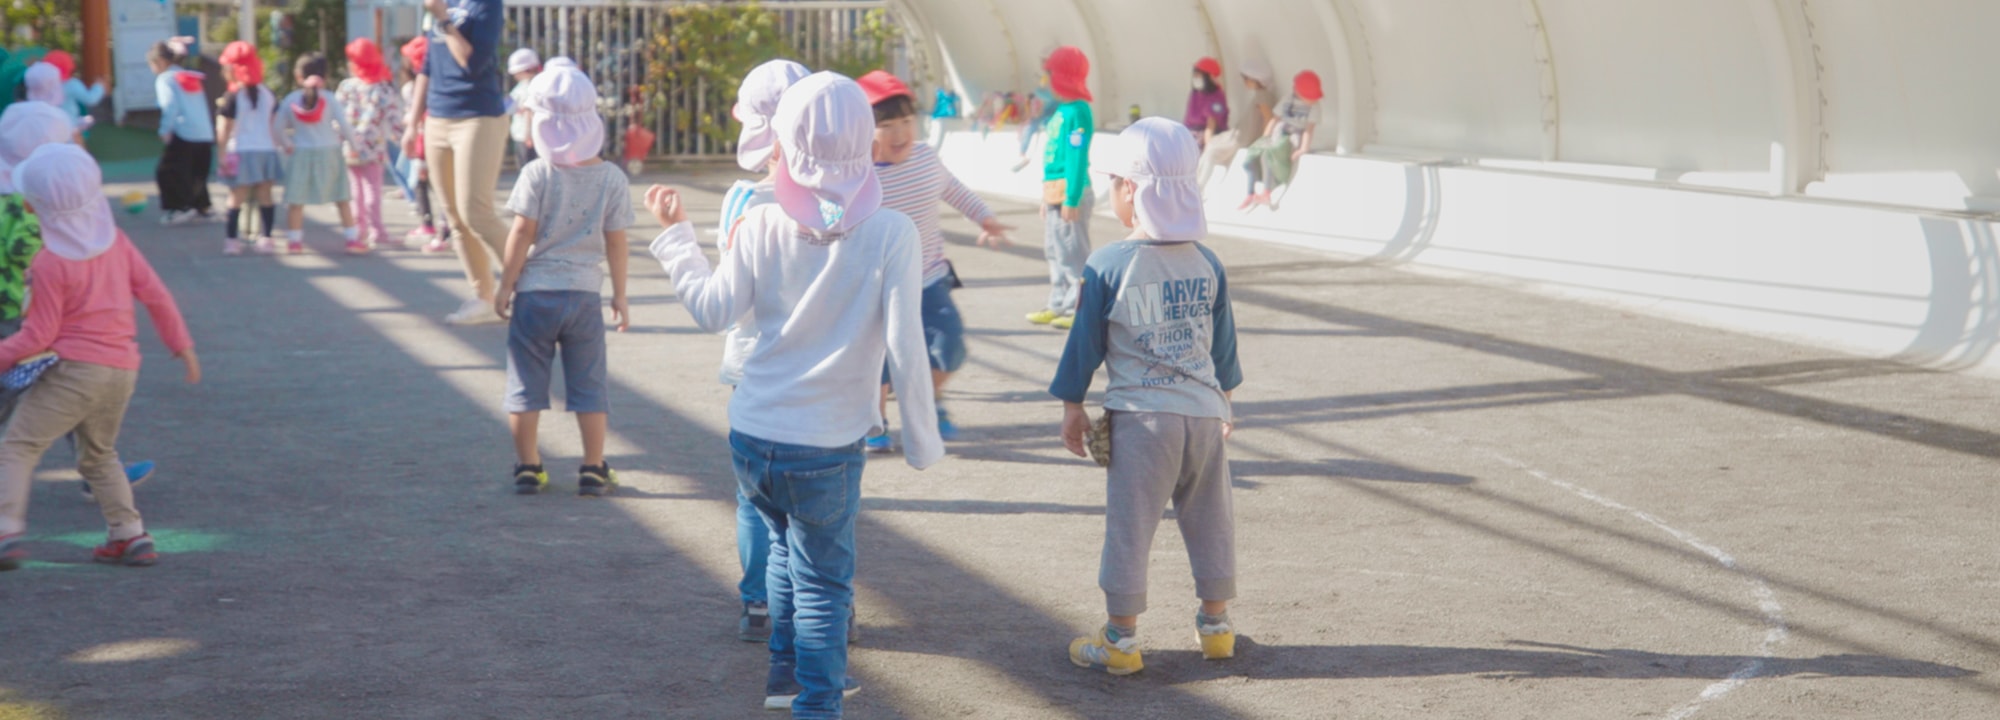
(1775, 630)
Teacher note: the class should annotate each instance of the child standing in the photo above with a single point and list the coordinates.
(835, 281)
(85, 281)
(1156, 312)
(435, 238)
(524, 64)
(311, 130)
(756, 151)
(1066, 196)
(914, 181)
(1274, 160)
(190, 137)
(570, 213)
(374, 118)
(250, 163)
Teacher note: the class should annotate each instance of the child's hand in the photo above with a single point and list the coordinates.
(621, 313)
(193, 365)
(1070, 213)
(995, 233)
(1076, 424)
(665, 202)
(503, 302)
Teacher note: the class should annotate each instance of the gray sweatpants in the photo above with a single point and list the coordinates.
(1067, 247)
(1156, 458)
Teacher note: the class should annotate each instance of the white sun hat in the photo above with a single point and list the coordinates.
(64, 186)
(756, 102)
(25, 126)
(826, 178)
(522, 61)
(565, 123)
(1161, 156)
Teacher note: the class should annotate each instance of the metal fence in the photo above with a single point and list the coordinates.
(616, 45)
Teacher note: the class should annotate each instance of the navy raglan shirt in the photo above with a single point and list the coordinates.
(475, 89)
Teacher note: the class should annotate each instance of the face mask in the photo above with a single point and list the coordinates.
(1198, 84)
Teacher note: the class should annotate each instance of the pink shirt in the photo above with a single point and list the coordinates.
(82, 309)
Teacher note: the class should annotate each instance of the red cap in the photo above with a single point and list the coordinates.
(414, 51)
(1069, 72)
(880, 86)
(1306, 85)
(1211, 66)
(365, 60)
(242, 57)
(64, 63)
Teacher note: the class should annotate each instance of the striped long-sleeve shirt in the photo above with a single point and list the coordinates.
(913, 187)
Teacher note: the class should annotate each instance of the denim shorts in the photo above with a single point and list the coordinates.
(944, 329)
(546, 323)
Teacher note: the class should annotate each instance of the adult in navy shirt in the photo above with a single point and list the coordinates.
(464, 109)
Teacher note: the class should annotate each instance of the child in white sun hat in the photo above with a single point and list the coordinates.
(570, 209)
(523, 65)
(836, 282)
(1155, 311)
(756, 151)
(85, 281)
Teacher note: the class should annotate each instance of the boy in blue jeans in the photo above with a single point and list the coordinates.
(570, 213)
(834, 281)
(1155, 310)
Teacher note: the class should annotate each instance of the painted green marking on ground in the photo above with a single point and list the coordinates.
(42, 565)
(166, 540)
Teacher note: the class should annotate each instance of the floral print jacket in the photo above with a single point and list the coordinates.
(374, 118)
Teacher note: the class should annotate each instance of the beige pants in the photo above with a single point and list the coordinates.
(89, 399)
(464, 157)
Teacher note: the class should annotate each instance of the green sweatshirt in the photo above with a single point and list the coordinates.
(20, 240)
(1070, 130)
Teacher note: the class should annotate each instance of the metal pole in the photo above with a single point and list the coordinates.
(246, 22)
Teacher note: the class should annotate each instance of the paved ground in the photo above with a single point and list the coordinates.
(1456, 501)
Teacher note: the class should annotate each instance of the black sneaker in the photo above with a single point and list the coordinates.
(779, 695)
(596, 481)
(754, 626)
(529, 479)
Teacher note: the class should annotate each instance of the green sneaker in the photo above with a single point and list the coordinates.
(529, 479)
(596, 481)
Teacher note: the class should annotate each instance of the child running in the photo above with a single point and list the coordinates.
(524, 64)
(250, 163)
(311, 130)
(756, 151)
(1156, 312)
(85, 281)
(435, 238)
(836, 283)
(374, 121)
(914, 181)
(570, 213)
(1066, 196)
(189, 134)
(24, 127)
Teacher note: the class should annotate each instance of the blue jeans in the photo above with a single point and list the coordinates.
(753, 549)
(809, 497)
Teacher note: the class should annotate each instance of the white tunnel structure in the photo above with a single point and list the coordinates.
(1823, 170)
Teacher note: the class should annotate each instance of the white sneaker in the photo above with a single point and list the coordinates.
(474, 312)
(177, 217)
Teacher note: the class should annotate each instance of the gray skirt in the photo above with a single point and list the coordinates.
(256, 167)
(316, 176)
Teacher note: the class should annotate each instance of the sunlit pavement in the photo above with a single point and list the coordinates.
(1453, 499)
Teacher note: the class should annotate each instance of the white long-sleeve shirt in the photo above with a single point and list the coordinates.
(826, 316)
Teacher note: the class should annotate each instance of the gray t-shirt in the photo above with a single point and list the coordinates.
(1295, 115)
(1249, 122)
(573, 208)
(1156, 315)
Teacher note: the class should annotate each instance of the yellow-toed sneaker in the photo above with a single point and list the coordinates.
(1042, 317)
(1097, 650)
(1063, 323)
(1218, 642)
